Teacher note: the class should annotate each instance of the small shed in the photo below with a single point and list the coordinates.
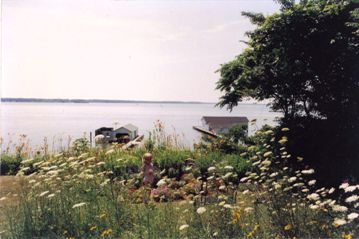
(222, 124)
(125, 133)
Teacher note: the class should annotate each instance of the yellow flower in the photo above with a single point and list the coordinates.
(236, 216)
(106, 232)
(346, 236)
(103, 215)
(93, 228)
(287, 227)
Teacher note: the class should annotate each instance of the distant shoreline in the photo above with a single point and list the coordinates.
(42, 100)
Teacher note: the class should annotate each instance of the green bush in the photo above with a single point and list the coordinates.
(10, 165)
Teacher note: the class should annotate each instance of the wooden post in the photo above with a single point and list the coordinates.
(91, 138)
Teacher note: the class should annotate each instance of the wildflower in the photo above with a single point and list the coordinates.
(344, 186)
(109, 152)
(161, 182)
(305, 190)
(106, 232)
(287, 227)
(267, 154)
(93, 228)
(222, 188)
(313, 207)
(339, 208)
(266, 163)
(51, 195)
(201, 210)
(283, 140)
(285, 129)
(352, 198)
(248, 209)
(99, 139)
(211, 169)
(346, 236)
(227, 175)
(227, 206)
(299, 159)
(221, 203)
(298, 185)
(313, 197)
(79, 205)
(353, 216)
(292, 179)
(228, 167)
(272, 175)
(245, 191)
(308, 171)
(215, 234)
(312, 182)
(350, 189)
(27, 161)
(339, 222)
(183, 227)
(43, 193)
(331, 190)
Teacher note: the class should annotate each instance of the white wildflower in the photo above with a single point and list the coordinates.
(353, 216)
(79, 205)
(312, 182)
(162, 182)
(292, 179)
(352, 198)
(228, 167)
(313, 207)
(339, 222)
(183, 227)
(308, 171)
(222, 188)
(211, 169)
(313, 197)
(339, 208)
(344, 185)
(111, 151)
(201, 210)
(350, 189)
(43, 193)
(248, 209)
(267, 154)
(331, 190)
(51, 195)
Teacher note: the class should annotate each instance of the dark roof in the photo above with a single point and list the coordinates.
(104, 129)
(216, 122)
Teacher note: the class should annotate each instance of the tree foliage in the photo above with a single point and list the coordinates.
(305, 60)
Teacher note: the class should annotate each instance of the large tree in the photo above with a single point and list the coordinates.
(305, 59)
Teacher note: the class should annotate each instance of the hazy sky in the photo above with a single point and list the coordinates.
(113, 49)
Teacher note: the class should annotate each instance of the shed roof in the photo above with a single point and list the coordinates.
(216, 122)
(129, 127)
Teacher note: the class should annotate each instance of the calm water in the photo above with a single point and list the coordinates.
(59, 121)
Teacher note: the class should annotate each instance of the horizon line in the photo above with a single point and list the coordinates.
(74, 100)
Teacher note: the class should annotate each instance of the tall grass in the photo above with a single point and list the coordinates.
(97, 193)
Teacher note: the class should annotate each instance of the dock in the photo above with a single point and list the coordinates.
(204, 131)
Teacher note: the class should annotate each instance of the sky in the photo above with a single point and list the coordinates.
(121, 49)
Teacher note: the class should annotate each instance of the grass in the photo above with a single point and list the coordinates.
(98, 193)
